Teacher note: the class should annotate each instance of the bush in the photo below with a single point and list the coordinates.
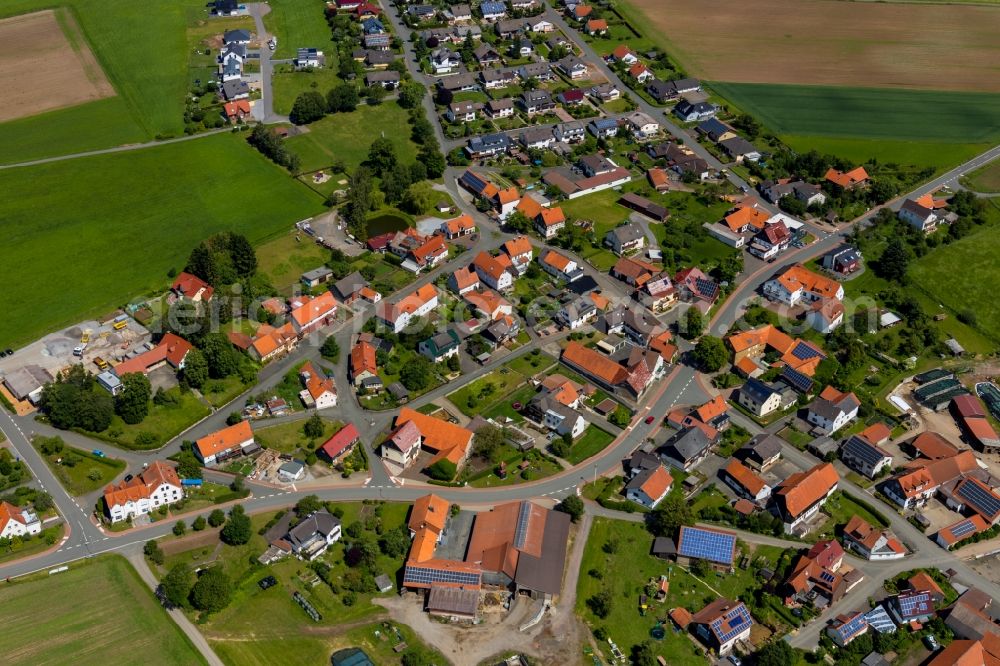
(442, 470)
(180, 528)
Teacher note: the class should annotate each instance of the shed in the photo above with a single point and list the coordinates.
(453, 601)
(664, 548)
(383, 583)
(399, 392)
(956, 349)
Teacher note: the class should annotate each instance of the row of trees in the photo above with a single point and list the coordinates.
(269, 144)
(74, 400)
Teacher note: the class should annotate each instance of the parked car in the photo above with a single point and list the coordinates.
(650, 419)
(98, 453)
(931, 642)
(734, 660)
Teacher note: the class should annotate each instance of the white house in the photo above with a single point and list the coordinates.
(919, 216)
(871, 543)
(796, 283)
(562, 419)
(559, 266)
(440, 347)
(311, 537)
(403, 445)
(745, 481)
(832, 410)
(158, 485)
(495, 272)
(759, 398)
(223, 444)
(319, 390)
(649, 486)
(577, 312)
(398, 315)
(17, 522)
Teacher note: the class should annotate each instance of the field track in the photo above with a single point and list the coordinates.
(45, 64)
(829, 42)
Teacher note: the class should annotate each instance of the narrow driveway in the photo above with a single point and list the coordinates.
(263, 109)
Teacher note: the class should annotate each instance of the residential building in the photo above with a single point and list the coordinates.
(17, 522)
(487, 145)
(192, 287)
(463, 225)
(832, 410)
(796, 284)
(922, 479)
(845, 628)
(641, 204)
(761, 452)
(847, 180)
(800, 496)
(871, 543)
(722, 624)
(689, 447)
(918, 215)
(172, 349)
(311, 537)
(463, 281)
(387, 79)
(464, 112)
(740, 150)
(633, 380)
(349, 287)
(520, 253)
(745, 481)
(760, 398)
(843, 260)
(489, 304)
(397, 316)
(771, 240)
(577, 313)
(864, 456)
(441, 347)
(414, 430)
(911, 606)
(309, 314)
(157, 485)
(560, 266)
(693, 112)
(318, 391)
(536, 101)
(694, 286)
(339, 446)
(603, 128)
(626, 239)
(500, 108)
(648, 487)
(537, 138)
(224, 444)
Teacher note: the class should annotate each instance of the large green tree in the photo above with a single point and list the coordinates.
(669, 515)
(308, 107)
(132, 402)
(195, 369)
(212, 592)
(710, 353)
(895, 261)
(381, 155)
(177, 584)
(342, 98)
(238, 529)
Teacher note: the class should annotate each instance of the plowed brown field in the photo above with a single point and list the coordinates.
(829, 42)
(43, 68)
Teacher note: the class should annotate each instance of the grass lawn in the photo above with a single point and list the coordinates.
(926, 118)
(289, 85)
(540, 468)
(486, 390)
(146, 62)
(601, 207)
(298, 23)
(796, 438)
(969, 288)
(593, 441)
(30, 545)
(840, 508)
(531, 364)
(625, 573)
(504, 406)
(347, 136)
(163, 422)
(289, 437)
(98, 612)
(985, 178)
(221, 391)
(284, 259)
(237, 632)
(122, 230)
(77, 479)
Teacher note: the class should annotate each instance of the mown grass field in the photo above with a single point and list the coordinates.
(984, 179)
(869, 113)
(85, 235)
(347, 136)
(145, 61)
(289, 85)
(941, 156)
(963, 276)
(298, 23)
(98, 612)
(76, 479)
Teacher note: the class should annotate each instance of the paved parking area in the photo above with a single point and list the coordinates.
(939, 516)
(779, 471)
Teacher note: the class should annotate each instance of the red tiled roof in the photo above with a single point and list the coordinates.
(745, 477)
(847, 179)
(190, 285)
(225, 439)
(342, 439)
(172, 349)
(803, 489)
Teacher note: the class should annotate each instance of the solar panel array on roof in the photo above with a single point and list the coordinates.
(521, 531)
(879, 620)
(858, 448)
(804, 352)
(737, 619)
(963, 529)
(979, 498)
(827, 576)
(798, 381)
(706, 545)
(426, 576)
(913, 605)
(706, 287)
(856, 625)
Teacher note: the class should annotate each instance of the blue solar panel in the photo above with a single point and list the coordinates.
(426, 576)
(827, 576)
(804, 352)
(979, 498)
(707, 545)
(796, 379)
(521, 531)
(964, 528)
(855, 626)
(912, 605)
(879, 620)
(706, 287)
(732, 624)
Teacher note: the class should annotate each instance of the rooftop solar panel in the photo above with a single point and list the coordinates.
(912, 605)
(827, 576)
(796, 379)
(706, 287)
(979, 498)
(521, 531)
(706, 545)
(859, 448)
(426, 576)
(879, 620)
(732, 623)
(803, 352)
(963, 529)
(856, 625)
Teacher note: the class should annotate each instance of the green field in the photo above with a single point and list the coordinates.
(289, 85)
(941, 156)
(145, 61)
(591, 442)
(299, 23)
(984, 179)
(926, 118)
(98, 612)
(963, 275)
(347, 136)
(122, 221)
(77, 479)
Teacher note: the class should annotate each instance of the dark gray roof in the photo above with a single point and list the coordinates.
(756, 390)
(738, 146)
(544, 573)
(763, 446)
(866, 451)
(643, 460)
(321, 522)
(235, 36)
(664, 546)
(627, 232)
(687, 444)
(830, 410)
(235, 87)
(398, 390)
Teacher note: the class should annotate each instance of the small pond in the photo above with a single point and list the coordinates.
(385, 223)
